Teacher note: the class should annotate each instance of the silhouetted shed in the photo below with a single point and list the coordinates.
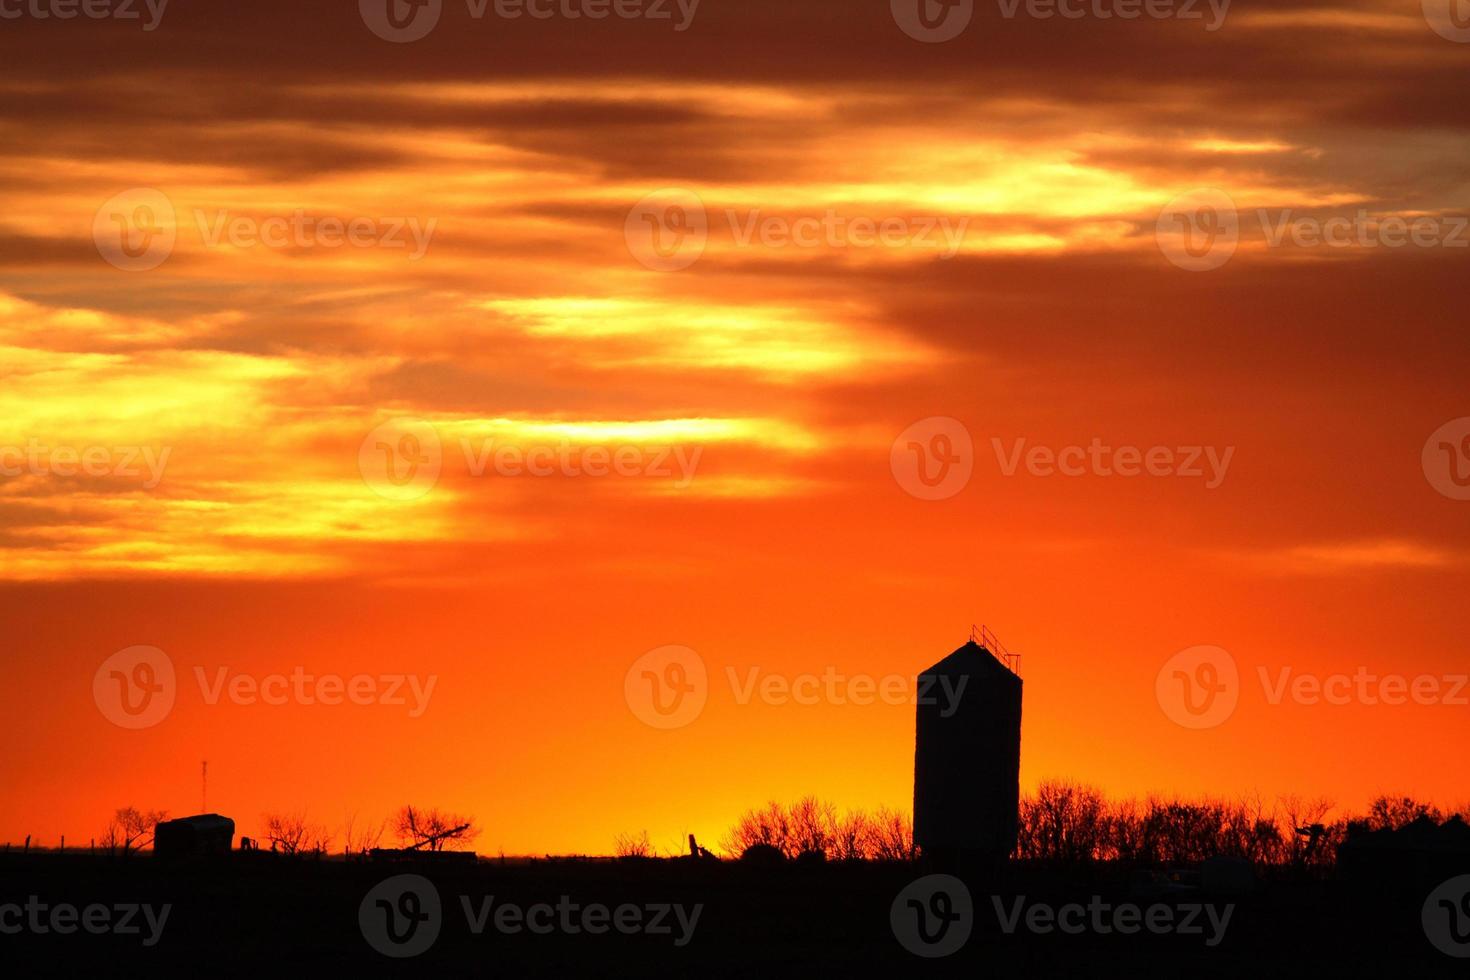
(197, 836)
(967, 753)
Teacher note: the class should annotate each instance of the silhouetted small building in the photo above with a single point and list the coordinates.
(199, 836)
(967, 753)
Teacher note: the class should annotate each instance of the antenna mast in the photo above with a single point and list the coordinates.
(204, 786)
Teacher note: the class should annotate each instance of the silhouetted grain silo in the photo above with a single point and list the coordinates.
(967, 753)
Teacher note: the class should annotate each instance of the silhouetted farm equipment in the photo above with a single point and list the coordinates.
(425, 850)
(205, 835)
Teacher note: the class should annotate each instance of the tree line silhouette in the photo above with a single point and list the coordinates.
(1067, 823)
(1062, 822)
(1070, 823)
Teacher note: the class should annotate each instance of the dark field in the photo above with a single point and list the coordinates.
(250, 915)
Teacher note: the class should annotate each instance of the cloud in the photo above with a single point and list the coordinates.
(1353, 557)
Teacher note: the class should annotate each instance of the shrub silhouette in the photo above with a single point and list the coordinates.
(632, 846)
(812, 827)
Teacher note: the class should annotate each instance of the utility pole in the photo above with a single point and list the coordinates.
(204, 786)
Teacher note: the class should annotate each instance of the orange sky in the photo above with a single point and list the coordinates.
(257, 374)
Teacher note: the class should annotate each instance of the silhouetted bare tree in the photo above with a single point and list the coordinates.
(131, 829)
(812, 822)
(361, 838)
(891, 836)
(1310, 841)
(850, 836)
(434, 829)
(770, 826)
(293, 833)
(1062, 822)
(633, 845)
(1393, 812)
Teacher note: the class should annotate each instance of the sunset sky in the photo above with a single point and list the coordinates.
(505, 177)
